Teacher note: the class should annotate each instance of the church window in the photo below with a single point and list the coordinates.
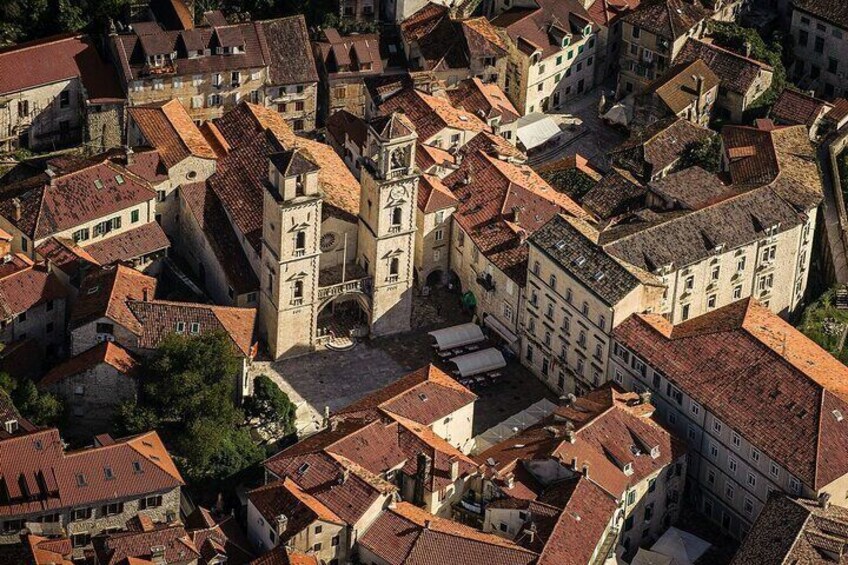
(397, 215)
(298, 290)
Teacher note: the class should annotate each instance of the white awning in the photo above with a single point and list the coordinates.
(457, 336)
(500, 329)
(681, 545)
(479, 362)
(536, 129)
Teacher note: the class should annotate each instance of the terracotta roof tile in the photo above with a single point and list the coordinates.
(405, 534)
(45, 551)
(168, 127)
(351, 55)
(119, 547)
(833, 12)
(133, 244)
(799, 383)
(430, 114)
(291, 60)
(670, 19)
(737, 73)
(91, 190)
(105, 292)
(66, 255)
(159, 318)
(677, 89)
(206, 208)
(105, 353)
(286, 498)
(433, 195)
(793, 107)
(76, 478)
(485, 100)
(27, 288)
(55, 59)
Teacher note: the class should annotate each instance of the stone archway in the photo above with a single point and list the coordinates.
(342, 320)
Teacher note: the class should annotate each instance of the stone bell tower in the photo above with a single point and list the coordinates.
(386, 241)
(291, 234)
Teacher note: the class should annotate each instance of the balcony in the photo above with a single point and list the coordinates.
(333, 282)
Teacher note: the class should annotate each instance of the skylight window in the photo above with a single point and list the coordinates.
(119, 179)
(94, 289)
(422, 396)
(108, 473)
(137, 467)
(194, 328)
(180, 327)
(580, 261)
(98, 184)
(303, 468)
(81, 482)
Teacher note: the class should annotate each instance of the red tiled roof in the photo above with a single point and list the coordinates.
(430, 114)
(787, 412)
(433, 195)
(44, 551)
(132, 244)
(407, 535)
(483, 99)
(27, 288)
(168, 127)
(349, 51)
(87, 191)
(489, 191)
(529, 28)
(65, 255)
(287, 498)
(206, 208)
(737, 72)
(120, 547)
(55, 59)
(442, 396)
(77, 478)
(794, 107)
(105, 292)
(606, 12)
(158, 318)
(610, 429)
(105, 353)
(219, 535)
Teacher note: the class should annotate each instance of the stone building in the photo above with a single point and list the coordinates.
(652, 37)
(32, 306)
(83, 493)
(743, 440)
(416, 430)
(212, 67)
(605, 447)
(686, 91)
(344, 63)
(452, 49)
(67, 95)
(436, 204)
(575, 294)
(552, 52)
(97, 202)
(743, 79)
(820, 32)
(93, 385)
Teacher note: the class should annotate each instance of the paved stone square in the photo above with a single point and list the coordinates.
(334, 379)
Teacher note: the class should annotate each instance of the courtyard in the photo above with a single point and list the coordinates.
(334, 379)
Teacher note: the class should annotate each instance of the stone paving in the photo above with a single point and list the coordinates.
(334, 379)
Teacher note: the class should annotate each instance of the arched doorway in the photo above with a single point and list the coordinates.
(435, 278)
(342, 320)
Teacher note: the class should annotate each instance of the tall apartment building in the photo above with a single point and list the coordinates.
(652, 36)
(575, 294)
(820, 32)
(67, 95)
(552, 52)
(212, 67)
(755, 399)
(80, 494)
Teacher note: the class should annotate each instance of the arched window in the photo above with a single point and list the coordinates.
(394, 267)
(300, 241)
(397, 216)
(298, 289)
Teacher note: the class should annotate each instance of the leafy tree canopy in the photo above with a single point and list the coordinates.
(705, 153)
(40, 408)
(270, 408)
(188, 394)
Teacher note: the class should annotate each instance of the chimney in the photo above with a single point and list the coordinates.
(422, 476)
(570, 437)
(748, 49)
(510, 481)
(130, 155)
(145, 294)
(454, 469)
(645, 397)
(426, 524)
(516, 214)
(574, 464)
(824, 501)
(16, 202)
(157, 554)
(586, 470)
(282, 524)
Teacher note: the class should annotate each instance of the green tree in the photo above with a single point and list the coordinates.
(705, 153)
(189, 394)
(270, 409)
(40, 408)
(734, 37)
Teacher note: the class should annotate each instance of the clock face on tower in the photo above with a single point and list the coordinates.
(399, 193)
